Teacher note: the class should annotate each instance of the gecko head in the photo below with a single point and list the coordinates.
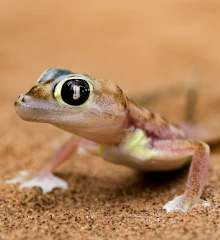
(78, 103)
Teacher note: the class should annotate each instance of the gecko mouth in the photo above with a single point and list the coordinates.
(40, 111)
(21, 105)
(29, 110)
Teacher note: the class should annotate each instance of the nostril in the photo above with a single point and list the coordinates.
(22, 98)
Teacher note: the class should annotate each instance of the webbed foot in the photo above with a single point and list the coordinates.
(178, 203)
(46, 183)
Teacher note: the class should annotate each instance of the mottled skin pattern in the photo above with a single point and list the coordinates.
(155, 126)
(112, 126)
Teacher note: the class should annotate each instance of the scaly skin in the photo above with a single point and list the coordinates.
(112, 126)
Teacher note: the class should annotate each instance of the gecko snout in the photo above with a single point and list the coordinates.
(21, 98)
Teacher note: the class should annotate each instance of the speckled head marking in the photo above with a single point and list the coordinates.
(106, 92)
(40, 91)
(80, 104)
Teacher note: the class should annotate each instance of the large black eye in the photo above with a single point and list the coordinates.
(74, 92)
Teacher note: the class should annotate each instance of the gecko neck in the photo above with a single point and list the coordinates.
(154, 125)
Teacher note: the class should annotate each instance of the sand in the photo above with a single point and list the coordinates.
(142, 47)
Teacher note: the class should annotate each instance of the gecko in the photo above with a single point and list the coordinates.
(110, 125)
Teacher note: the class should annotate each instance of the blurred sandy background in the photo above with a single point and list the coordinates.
(139, 45)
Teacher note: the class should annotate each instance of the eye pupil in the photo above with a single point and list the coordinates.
(75, 92)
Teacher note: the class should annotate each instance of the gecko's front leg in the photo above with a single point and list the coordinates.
(45, 179)
(175, 149)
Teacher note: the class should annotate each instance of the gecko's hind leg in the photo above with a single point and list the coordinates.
(144, 99)
(172, 150)
(191, 102)
(194, 129)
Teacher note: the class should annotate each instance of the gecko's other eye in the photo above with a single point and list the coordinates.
(52, 73)
(74, 92)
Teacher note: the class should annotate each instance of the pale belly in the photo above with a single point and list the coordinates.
(153, 163)
(136, 152)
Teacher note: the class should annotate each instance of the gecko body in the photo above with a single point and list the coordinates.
(112, 126)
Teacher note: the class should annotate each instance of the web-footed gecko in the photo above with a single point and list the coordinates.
(112, 126)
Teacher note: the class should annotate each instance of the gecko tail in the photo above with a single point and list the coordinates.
(201, 132)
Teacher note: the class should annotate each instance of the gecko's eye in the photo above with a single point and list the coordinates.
(74, 92)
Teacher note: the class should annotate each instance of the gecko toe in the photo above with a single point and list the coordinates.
(22, 177)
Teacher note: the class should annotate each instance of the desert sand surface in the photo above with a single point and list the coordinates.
(142, 46)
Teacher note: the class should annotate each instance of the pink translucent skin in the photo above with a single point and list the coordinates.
(60, 156)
